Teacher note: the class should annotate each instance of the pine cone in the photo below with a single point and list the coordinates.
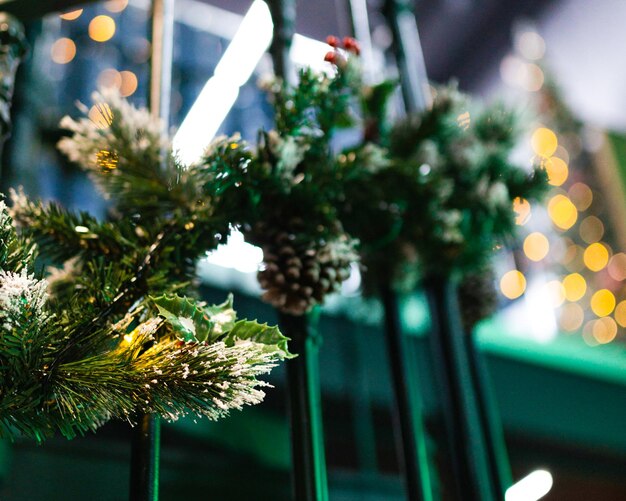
(298, 275)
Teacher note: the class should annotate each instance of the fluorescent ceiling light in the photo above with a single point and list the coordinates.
(530, 488)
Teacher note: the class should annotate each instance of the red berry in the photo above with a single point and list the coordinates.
(332, 41)
(352, 45)
(331, 57)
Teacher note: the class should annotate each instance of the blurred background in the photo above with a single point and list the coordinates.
(554, 349)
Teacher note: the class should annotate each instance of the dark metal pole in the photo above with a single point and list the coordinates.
(408, 416)
(12, 49)
(307, 434)
(146, 443)
(305, 406)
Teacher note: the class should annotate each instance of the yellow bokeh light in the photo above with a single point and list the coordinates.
(129, 83)
(522, 210)
(101, 115)
(70, 16)
(575, 286)
(591, 229)
(63, 51)
(536, 246)
(620, 313)
(544, 142)
(102, 28)
(557, 171)
(110, 78)
(556, 291)
(581, 196)
(596, 256)
(603, 302)
(513, 284)
(604, 330)
(572, 317)
(116, 5)
(562, 212)
(617, 267)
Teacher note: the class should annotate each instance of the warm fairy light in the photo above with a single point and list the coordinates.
(596, 256)
(536, 246)
(556, 292)
(81, 229)
(531, 45)
(102, 28)
(129, 83)
(70, 16)
(581, 196)
(604, 330)
(116, 5)
(101, 115)
(522, 210)
(513, 284)
(63, 51)
(562, 153)
(562, 212)
(128, 338)
(557, 171)
(617, 267)
(591, 229)
(530, 488)
(603, 302)
(572, 317)
(573, 258)
(620, 313)
(544, 142)
(575, 286)
(534, 77)
(109, 78)
(107, 160)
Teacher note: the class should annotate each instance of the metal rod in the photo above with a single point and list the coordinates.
(12, 50)
(466, 438)
(408, 415)
(144, 460)
(305, 406)
(146, 443)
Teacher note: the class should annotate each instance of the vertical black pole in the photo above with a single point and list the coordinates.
(305, 405)
(12, 49)
(468, 447)
(307, 435)
(408, 416)
(146, 442)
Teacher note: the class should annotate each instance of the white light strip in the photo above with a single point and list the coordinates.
(530, 488)
(220, 93)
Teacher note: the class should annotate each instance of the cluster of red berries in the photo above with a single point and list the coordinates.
(348, 43)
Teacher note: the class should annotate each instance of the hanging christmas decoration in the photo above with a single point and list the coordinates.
(116, 330)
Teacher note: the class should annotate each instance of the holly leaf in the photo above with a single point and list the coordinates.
(251, 330)
(189, 321)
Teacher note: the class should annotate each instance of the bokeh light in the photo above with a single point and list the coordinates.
(617, 267)
(575, 286)
(536, 246)
(513, 284)
(581, 196)
(604, 330)
(562, 212)
(620, 313)
(63, 50)
(115, 5)
(602, 302)
(572, 317)
(102, 28)
(573, 258)
(534, 78)
(591, 229)
(556, 292)
(544, 142)
(557, 171)
(129, 83)
(522, 210)
(588, 333)
(531, 45)
(101, 115)
(110, 78)
(71, 15)
(596, 256)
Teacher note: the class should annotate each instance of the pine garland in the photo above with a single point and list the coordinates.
(116, 330)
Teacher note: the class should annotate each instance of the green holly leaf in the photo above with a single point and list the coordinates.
(189, 321)
(251, 330)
